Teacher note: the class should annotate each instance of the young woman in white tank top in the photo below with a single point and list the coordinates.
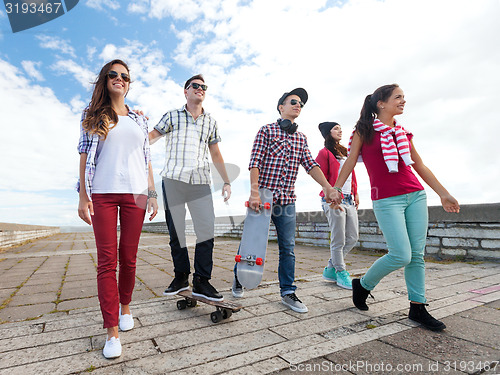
(116, 183)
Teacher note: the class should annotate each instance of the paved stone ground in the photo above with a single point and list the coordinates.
(51, 322)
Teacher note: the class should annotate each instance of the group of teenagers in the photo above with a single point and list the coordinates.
(116, 187)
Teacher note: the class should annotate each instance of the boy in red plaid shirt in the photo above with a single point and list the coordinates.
(277, 152)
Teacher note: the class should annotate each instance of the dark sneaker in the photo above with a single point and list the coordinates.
(293, 302)
(237, 288)
(178, 284)
(418, 313)
(202, 288)
(359, 295)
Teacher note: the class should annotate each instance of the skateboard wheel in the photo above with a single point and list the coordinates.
(191, 303)
(259, 261)
(267, 205)
(247, 204)
(237, 258)
(216, 316)
(181, 304)
(226, 314)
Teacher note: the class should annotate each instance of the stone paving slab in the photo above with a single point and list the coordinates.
(51, 321)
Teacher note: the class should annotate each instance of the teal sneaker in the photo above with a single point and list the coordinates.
(344, 279)
(329, 274)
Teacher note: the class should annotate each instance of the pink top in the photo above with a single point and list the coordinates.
(330, 167)
(383, 183)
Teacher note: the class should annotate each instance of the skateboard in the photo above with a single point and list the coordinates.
(252, 253)
(224, 309)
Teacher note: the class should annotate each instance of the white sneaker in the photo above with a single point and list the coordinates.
(237, 288)
(126, 321)
(113, 348)
(293, 302)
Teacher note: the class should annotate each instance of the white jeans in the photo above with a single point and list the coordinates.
(343, 231)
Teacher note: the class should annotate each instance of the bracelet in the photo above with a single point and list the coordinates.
(227, 183)
(340, 191)
(152, 194)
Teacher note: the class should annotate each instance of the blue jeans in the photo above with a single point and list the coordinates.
(403, 220)
(284, 219)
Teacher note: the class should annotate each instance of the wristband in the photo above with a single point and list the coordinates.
(340, 191)
(152, 194)
(227, 183)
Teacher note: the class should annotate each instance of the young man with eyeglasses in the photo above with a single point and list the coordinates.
(278, 151)
(191, 134)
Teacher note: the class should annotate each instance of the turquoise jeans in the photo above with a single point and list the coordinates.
(403, 220)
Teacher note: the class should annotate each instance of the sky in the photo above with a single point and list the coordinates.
(443, 53)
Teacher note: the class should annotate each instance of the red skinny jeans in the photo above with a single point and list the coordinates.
(131, 210)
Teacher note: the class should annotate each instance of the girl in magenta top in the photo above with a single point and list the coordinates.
(399, 200)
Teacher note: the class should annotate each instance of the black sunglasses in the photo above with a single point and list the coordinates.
(295, 101)
(196, 86)
(112, 75)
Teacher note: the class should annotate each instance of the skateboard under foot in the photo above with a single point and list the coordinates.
(224, 309)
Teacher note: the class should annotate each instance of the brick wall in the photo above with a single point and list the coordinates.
(473, 234)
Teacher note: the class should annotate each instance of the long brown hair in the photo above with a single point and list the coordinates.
(364, 126)
(100, 117)
(335, 147)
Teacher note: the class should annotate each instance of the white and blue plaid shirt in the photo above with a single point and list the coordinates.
(187, 144)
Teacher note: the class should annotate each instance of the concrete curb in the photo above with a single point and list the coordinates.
(13, 238)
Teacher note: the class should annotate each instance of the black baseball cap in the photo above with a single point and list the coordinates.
(299, 91)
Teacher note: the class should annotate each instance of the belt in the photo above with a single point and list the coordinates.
(347, 199)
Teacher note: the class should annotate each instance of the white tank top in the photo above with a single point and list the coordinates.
(347, 188)
(120, 161)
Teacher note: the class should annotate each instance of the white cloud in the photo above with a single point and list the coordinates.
(77, 104)
(83, 75)
(186, 10)
(32, 69)
(57, 44)
(39, 208)
(91, 51)
(250, 53)
(443, 59)
(102, 4)
(138, 6)
(40, 155)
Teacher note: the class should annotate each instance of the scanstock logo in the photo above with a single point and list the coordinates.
(30, 13)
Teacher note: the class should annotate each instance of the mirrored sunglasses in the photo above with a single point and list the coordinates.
(112, 75)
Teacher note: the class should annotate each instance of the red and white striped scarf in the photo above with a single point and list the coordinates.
(390, 150)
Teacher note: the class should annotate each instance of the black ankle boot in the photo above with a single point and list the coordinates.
(419, 314)
(203, 288)
(359, 295)
(178, 284)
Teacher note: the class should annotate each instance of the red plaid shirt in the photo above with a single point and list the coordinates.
(278, 155)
